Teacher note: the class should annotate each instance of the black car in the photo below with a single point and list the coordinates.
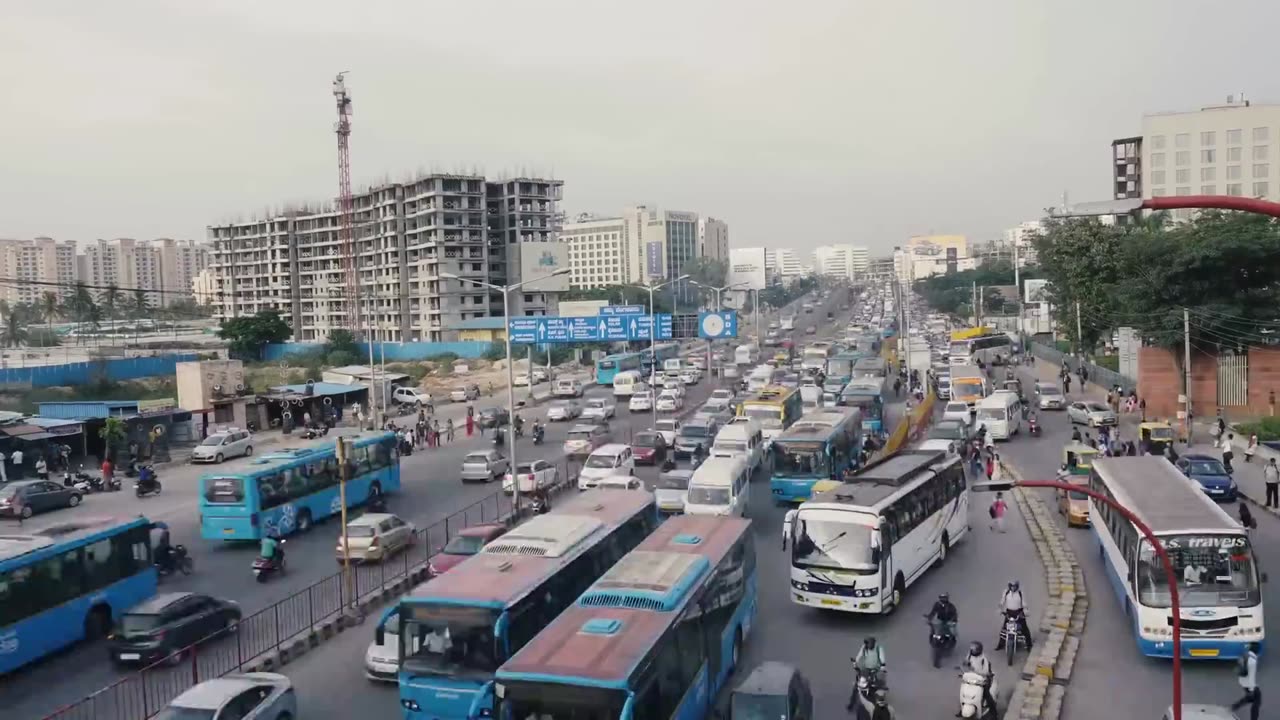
(24, 498)
(167, 624)
(493, 417)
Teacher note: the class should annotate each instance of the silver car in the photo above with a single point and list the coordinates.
(484, 466)
(222, 445)
(249, 696)
(671, 490)
(564, 410)
(1093, 414)
(1050, 397)
(599, 409)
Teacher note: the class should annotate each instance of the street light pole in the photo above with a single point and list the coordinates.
(653, 337)
(511, 384)
(718, 291)
(1171, 576)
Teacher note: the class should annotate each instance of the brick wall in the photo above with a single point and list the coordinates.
(1160, 382)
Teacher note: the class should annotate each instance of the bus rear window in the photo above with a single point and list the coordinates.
(224, 490)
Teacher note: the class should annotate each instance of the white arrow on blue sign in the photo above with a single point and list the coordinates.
(613, 328)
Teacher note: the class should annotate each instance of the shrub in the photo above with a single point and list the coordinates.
(339, 358)
(1267, 428)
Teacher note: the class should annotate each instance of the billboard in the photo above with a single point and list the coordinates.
(1036, 291)
(653, 260)
(539, 259)
(746, 265)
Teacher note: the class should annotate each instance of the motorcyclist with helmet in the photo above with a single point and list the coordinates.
(1013, 604)
(945, 612)
(870, 661)
(977, 662)
(270, 549)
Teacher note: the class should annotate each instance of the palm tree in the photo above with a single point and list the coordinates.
(110, 300)
(14, 331)
(139, 309)
(80, 306)
(50, 308)
(115, 433)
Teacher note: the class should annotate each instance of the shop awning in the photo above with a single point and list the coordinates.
(20, 431)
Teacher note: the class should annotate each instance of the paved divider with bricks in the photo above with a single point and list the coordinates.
(1046, 674)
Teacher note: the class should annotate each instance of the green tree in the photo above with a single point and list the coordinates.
(342, 341)
(50, 308)
(114, 434)
(248, 336)
(1083, 261)
(13, 330)
(111, 299)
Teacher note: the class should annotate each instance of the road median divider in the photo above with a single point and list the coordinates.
(1046, 674)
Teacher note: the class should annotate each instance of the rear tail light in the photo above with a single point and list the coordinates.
(374, 545)
(531, 476)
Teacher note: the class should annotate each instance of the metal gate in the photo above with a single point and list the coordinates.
(1233, 378)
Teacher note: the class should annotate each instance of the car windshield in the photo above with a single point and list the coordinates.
(1212, 571)
(579, 435)
(645, 440)
(823, 540)
(213, 440)
(173, 712)
(1096, 407)
(1205, 467)
(595, 403)
(991, 414)
(449, 640)
(524, 468)
(476, 459)
(361, 531)
(463, 545)
(1048, 390)
(138, 624)
(695, 431)
(560, 405)
(673, 482)
(700, 495)
(668, 425)
(947, 431)
(602, 461)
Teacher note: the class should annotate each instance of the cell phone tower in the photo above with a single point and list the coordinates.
(346, 209)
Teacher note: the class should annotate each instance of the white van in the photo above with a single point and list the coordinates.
(746, 355)
(1001, 413)
(759, 378)
(628, 383)
(720, 486)
(672, 367)
(606, 461)
(743, 437)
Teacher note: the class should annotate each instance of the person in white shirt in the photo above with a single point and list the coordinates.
(1193, 574)
(1248, 676)
(16, 459)
(438, 641)
(788, 521)
(1012, 603)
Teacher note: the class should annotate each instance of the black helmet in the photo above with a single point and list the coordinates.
(975, 648)
(870, 642)
(944, 598)
(1013, 586)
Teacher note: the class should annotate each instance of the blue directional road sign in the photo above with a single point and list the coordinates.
(543, 329)
(622, 310)
(715, 325)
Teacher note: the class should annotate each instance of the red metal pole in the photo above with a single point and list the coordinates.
(1164, 560)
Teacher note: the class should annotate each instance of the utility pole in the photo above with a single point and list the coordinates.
(341, 450)
(1017, 286)
(975, 305)
(1186, 371)
(1079, 334)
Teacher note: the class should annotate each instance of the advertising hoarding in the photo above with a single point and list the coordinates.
(539, 259)
(746, 265)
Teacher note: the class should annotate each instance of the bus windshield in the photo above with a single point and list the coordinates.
(448, 640)
(823, 542)
(769, 416)
(1213, 571)
(959, 348)
(965, 387)
(806, 460)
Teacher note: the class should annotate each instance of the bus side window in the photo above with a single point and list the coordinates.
(295, 483)
(269, 492)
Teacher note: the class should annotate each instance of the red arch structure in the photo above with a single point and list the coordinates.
(1219, 202)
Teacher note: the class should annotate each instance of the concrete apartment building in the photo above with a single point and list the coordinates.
(928, 255)
(785, 263)
(841, 261)
(1228, 149)
(713, 239)
(46, 261)
(164, 268)
(405, 236)
(597, 252)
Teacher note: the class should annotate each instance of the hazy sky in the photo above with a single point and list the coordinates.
(799, 123)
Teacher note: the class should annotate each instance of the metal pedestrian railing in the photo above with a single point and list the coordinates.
(1097, 375)
(141, 694)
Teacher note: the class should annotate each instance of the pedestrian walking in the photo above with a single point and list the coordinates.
(1271, 477)
(1142, 408)
(990, 465)
(997, 511)
(975, 463)
(108, 471)
(1066, 384)
(448, 430)
(42, 468)
(1227, 453)
(435, 430)
(1247, 673)
(16, 459)
(1251, 448)
(1246, 517)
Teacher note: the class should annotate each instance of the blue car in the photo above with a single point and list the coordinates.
(1211, 474)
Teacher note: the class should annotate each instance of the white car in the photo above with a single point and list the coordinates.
(606, 461)
(257, 695)
(563, 410)
(956, 411)
(678, 389)
(670, 381)
(691, 376)
(229, 443)
(534, 475)
(699, 362)
(669, 402)
(668, 428)
(410, 396)
(598, 409)
(567, 387)
(640, 401)
(1093, 414)
(722, 394)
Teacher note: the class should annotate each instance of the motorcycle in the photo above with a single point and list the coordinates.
(972, 701)
(942, 639)
(264, 567)
(1033, 428)
(539, 434)
(75, 483)
(148, 483)
(179, 560)
(1011, 635)
(870, 692)
(315, 430)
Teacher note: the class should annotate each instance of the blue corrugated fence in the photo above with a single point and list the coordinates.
(84, 372)
(394, 351)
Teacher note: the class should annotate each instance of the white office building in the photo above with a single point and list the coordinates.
(1017, 240)
(1228, 149)
(841, 261)
(713, 239)
(598, 253)
(785, 263)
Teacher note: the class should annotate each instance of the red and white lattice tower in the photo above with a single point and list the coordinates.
(346, 210)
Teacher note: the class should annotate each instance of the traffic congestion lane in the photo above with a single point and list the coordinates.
(430, 492)
(1109, 667)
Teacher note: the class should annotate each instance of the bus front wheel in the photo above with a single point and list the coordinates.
(97, 622)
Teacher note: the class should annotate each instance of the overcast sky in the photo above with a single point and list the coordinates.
(799, 123)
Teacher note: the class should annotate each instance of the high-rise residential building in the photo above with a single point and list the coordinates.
(45, 264)
(844, 261)
(1216, 150)
(180, 262)
(405, 236)
(713, 239)
(1126, 154)
(597, 251)
(1017, 241)
(129, 265)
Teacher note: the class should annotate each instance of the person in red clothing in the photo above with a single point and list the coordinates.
(107, 471)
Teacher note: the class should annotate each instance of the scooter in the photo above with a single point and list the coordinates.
(179, 561)
(942, 640)
(263, 568)
(1033, 428)
(75, 483)
(148, 483)
(972, 704)
(315, 430)
(869, 693)
(539, 434)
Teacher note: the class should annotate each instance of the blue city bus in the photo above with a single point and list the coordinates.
(664, 351)
(608, 367)
(866, 394)
(840, 368)
(289, 490)
(457, 628)
(657, 637)
(70, 582)
(821, 445)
